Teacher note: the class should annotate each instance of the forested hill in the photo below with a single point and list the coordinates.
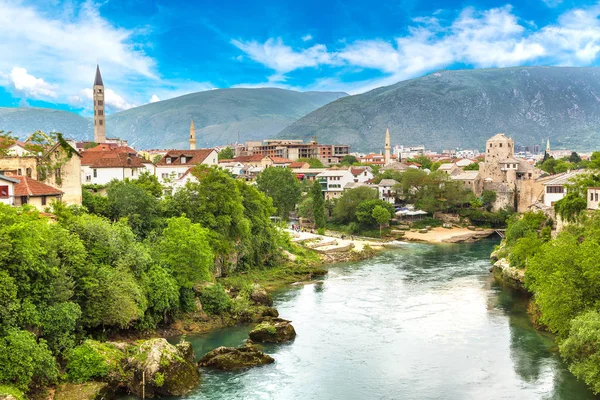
(221, 116)
(463, 108)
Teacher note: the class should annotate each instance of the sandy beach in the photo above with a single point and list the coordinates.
(444, 235)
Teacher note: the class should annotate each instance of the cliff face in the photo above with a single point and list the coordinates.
(449, 109)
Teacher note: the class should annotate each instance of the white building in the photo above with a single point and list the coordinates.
(101, 167)
(362, 175)
(555, 189)
(234, 167)
(593, 198)
(7, 189)
(386, 190)
(18, 149)
(175, 163)
(334, 181)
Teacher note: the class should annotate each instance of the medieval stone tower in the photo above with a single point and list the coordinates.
(388, 147)
(498, 149)
(192, 136)
(99, 117)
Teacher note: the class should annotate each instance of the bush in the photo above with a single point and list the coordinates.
(215, 300)
(84, 363)
(9, 390)
(25, 362)
(420, 224)
(321, 231)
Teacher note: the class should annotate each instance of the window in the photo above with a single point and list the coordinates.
(100, 122)
(555, 189)
(95, 173)
(168, 160)
(88, 178)
(100, 102)
(23, 199)
(57, 174)
(164, 175)
(19, 172)
(43, 200)
(28, 172)
(596, 196)
(500, 144)
(3, 191)
(183, 160)
(99, 91)
(100, 112)
(591, 196)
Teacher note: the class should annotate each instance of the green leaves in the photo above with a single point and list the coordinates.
(282, 186)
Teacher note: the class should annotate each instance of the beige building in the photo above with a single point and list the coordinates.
(513, 180)
(35, 193)
(593, 198)
(471, 180)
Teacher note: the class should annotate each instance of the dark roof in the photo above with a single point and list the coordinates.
(8, 179)
(31, 187)
(98, 79)
(193, 157)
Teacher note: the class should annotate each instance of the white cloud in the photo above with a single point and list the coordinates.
(552, 3)
(479, 38)
(112, 100)
(30, 86)
(154, 99)
(307, 37)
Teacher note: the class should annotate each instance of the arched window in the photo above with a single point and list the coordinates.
(28, 172)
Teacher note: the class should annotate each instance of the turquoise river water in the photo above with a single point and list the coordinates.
(419, 322)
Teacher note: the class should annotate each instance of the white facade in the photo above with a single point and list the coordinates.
(7, 190)
(593, 198)
(103, 176)
(168, 173)
(555, 189)
(361, 176)
(18, 150)
(386, 190)
(235, 168)
(334, 182)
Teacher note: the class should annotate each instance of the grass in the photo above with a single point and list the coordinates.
(9, 390)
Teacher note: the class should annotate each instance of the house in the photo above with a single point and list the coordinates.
(308, 174)
(395, 166)
(471, 180)
(593, 198)
(102, 166)
(464, 162)
(334, 181)
(18, 149)
(280, 162)
(449, 168)
(7, 189)
(386, 190)
(236, 168)
(299, 165)
(256, 160)
(555, 189)
(35, 193)
(175, 163)
(361, 174)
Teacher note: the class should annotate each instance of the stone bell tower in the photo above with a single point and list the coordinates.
(192, 136)
(99, 117)
(388, 147)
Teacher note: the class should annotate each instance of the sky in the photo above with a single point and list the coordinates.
(151, 50)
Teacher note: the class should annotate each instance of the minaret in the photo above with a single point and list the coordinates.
(388, 147)
(548, 146)
(99, 117)
(192, 136)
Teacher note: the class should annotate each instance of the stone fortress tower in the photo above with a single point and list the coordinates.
(388, 147)
(99, 117)
(192, 136)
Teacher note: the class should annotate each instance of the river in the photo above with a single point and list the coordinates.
(419, 322)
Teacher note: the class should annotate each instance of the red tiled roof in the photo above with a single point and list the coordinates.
(357, 171)
(116, 158)
(112, 147)
(255, 157)
(31, 187)
(297, 164)
(192, 157)
(281, 160)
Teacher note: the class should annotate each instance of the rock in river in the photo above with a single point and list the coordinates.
(276, 330)
(167, 370)
(260, 296)
(232, 359)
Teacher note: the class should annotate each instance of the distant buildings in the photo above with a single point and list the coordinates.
(294, 150)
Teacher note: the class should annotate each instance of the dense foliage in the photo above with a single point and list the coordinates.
(282, 186)
(130, 261)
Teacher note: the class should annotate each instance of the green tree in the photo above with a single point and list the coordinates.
(59, 323)
(344, 210)
(318, 205)
(425, 162)
(349, 160)
(574, 158)
(364, 212)
(162, 292)
(149, 183)
(472, 167)
(488, 198)
(6, 140)
(282, 186)
(305, 208)
(570, 207)
(183, 249)
(127, 199)
(382, 216)
(226, 154)
(582, 349)
(24, 362)
(313, 162)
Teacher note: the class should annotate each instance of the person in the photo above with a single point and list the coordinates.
(293, 227)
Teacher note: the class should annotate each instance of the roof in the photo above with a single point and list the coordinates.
(297, 164)
(358, 171)
(281, 160)
(334, 172)
(499, 136)
(447, 166)
(388, 182)
(31, 187)
(466, 176)
(395, 166)
(8, 179)
(254, 157)
(98, 78)
(192, 157)
(116, 158)
(509, 160)
(563, 178)
(354, 185)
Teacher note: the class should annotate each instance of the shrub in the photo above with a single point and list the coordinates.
(84, 363)
(321, 231)
(215, 300)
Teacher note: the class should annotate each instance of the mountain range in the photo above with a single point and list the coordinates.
(220, 116)
(463, 108)
(446, 109)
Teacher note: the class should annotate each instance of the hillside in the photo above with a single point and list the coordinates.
(221, 116)
(24, 121)
(449, 109)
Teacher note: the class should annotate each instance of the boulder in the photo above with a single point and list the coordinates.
(259, 295)
(276, 330)
(166, 369)
(233, 359)
(84, 391)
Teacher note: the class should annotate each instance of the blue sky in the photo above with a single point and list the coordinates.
(155, 50)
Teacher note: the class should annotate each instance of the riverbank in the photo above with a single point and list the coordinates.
(447, 235)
